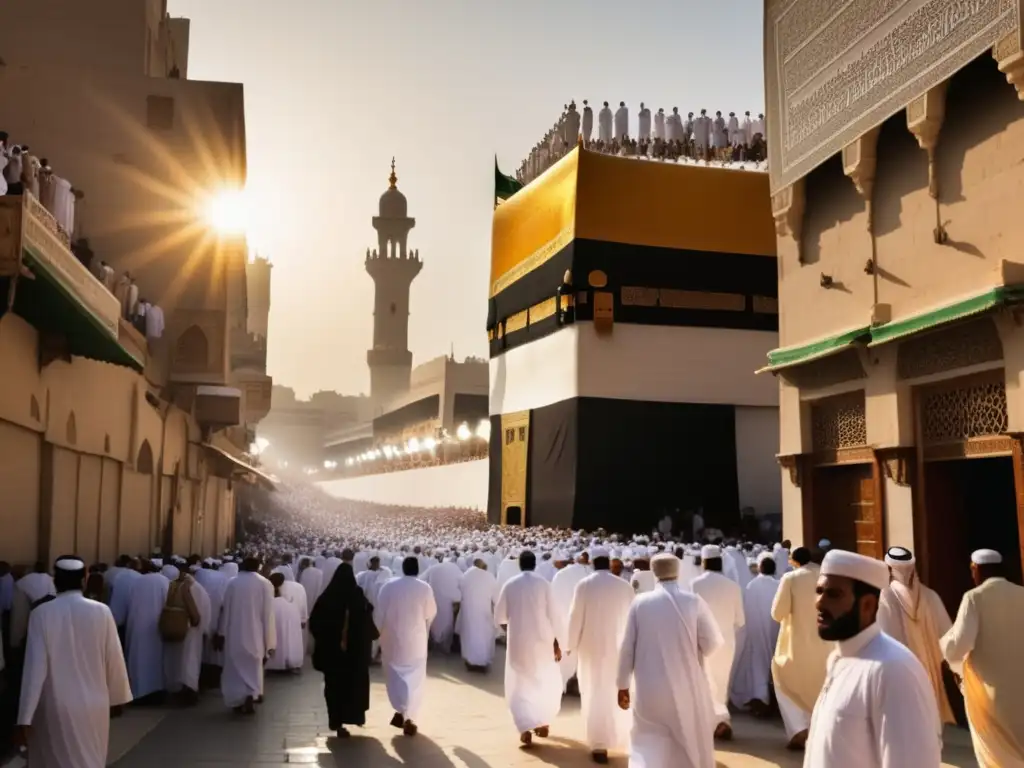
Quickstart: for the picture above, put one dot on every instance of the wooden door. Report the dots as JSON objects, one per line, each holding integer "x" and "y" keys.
{"x": 941, "y": 559}
{"x": 846, "y": 509}
{"x": 866, "y": 512}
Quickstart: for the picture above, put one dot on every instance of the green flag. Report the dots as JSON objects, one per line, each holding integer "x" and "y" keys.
{"x": 504, "y": 186}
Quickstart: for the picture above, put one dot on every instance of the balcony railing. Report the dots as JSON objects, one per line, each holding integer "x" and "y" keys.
{"x": 52, "y": 289}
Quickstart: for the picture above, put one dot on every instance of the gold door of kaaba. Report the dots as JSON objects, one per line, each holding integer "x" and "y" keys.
{"x": 515, "y": 439}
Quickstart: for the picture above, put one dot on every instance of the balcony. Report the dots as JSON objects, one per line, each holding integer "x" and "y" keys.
{"x": 256, "y": 388}
{"x": 44, "y": 283}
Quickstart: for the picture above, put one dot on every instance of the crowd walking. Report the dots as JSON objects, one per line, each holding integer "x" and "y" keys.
{"x": 667, "y": 639}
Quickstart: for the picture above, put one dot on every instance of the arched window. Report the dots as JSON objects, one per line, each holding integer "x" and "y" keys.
{"x": 144, "y": 461}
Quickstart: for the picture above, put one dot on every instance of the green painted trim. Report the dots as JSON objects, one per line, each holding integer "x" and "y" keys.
{"x": 785, "y": 357}
{"x": 990, "y": 299}
{"x": 113, "y": 352}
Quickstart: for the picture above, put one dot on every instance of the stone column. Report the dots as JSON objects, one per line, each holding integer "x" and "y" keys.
{"x": 925, "y": 116}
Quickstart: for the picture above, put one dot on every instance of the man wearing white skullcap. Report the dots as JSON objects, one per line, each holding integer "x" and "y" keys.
{"x": 877, "y": 708}
{"x": 670, "y": 633}
{"x": 985, "y": 640}
{"x": 725, "y": 598}
{"x": 142, "y": 631}
{"x": 73, "y": 674}
{"x": 912, "y": 613}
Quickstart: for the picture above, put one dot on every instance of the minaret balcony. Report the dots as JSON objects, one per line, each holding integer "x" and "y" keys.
{"x": 383, "y": 356}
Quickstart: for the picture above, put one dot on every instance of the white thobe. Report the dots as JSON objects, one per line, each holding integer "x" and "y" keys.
{"x": 214, "y": 582}
{"x": 29, "y": 589}
{"x": 564, "y": 588}
{"x": 404, "y": 612}
{"x": 688, "y": 571}
{"x": 121, "y": 593}
{"x": 673, "y": 127}
{"x": 747, "y": 130}
{"x": 702, "y": 135}
{"x": 142, "y": 634}
{"x": 758, "y": 126}
{"x": 643, "y": 582}
{"x": 644, "y": 127}
{"x": 782, "y": 566}
{"x": 312, "y": 580}
{"x": 289, "y": 652}
{"x": 506, "y": 570}
{"x": 876, "y": 710}
{"x": 659, "y": 125}
{"x": 604, "y": 124}
{"x": 916, "y": 616}
{"x": 735, "y": 135}
{"x": 286, "y": 571}
{"x": 669, "y": 633}
{"x": 588, "y": 124}
{"x": 752, "y": 671}
{"x": 478, "y": 592}
{"x": 365, "y": 580}
{"x": 738, "y": 569}
{"x": 247, "y": 625}
{"x": 74, "y": 673}
{"x": 621, "y": 123}
{"x": 533, "y": 688}
{"x": 183, "y": 661}
{"x": 725, "y": 598}
{"x": 360, "y": 561}
{"x": 330, "y": 566}
{"x": 719, "y": 133}
{"x": 444, "y": 578}
{"x": 546, "y": 570}
{"x": 597, "y": 624}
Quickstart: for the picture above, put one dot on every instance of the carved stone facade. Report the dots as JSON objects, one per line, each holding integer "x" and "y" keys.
{"x": 960, "y": 346}
{"x": 877, "y": 60}
{"x": 839, "y": 422}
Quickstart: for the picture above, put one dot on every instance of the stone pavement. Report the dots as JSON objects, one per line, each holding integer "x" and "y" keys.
{"x": 465, "y": 725}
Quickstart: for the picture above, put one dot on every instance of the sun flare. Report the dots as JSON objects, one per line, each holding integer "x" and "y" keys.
{"x": 227, "y": 213}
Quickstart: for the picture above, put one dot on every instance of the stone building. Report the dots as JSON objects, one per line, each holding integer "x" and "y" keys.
{"x": 111, "y": 441}
{"x": 897, "y": 168}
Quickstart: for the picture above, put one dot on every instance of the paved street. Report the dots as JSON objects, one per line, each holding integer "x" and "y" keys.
{"x": 465, "y": 725}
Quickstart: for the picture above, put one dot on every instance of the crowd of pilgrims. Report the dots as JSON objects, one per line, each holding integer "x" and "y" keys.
{"x": 663, "y": 640}
{"x": 659, "y": 136}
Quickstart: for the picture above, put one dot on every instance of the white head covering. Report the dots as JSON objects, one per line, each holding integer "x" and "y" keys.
{"x": 861, "y": 568}
{"x": 824, "y": 544}
{"x": 170, "y": 573}
{"x": 665, "y": 567}
{"x": 710, "y": 552}
{"x": 899, "y": 556}
{"x": 69, "y": 564}
{"x": 596, "y": 552}
{"x": 157, "y": 562}
{"x": 986, "y": 557}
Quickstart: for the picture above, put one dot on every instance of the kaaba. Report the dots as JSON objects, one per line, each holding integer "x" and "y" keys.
{"x": 631, "y": 303}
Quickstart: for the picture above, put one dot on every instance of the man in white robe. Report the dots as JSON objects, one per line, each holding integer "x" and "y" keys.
{"x": 725, "y": 599}
{"x": 798, "y": 667}
{"x": 403, "y": 614}
{"x": 781, "y": 555}
{"x": 249, "y": 637}
{"x": 622, "y": 122}
{"x": 702, "y": 137}
{"x": 659, "y": 124}
{"x": 73, "y": 675}
{"x": 443, "y": 579}
{"x": 597, "y": 623}
{"x": 478, "y": 592}
{"x": 604, "y": 124}
{"x": 183, "y": 661}
{"x": 984, "y": 645}
{"x": 214, "y": 583}
{"x": 564, "y": 588}
{"x": 643, "y": 580}
{"x": 288, "y": 625}
{"x": 912, "y": 613}
{"x": 28, "y": 591}
{"x": 876, "y": 709}
{"x": 752, "y": 672}
{"x": 533, "y": 690}
{"x": 312, "y": 580}
{"x": 142, "y": 632}
{"x": 669, "y": 635}
{"x": 644, "y": 126}
{"x": 588, "y": 125}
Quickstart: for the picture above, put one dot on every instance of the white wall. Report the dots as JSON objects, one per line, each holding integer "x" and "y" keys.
{"x": 652, "y": 363}
{"x": 452, "y": 485}
{"x": 757, "y": 441}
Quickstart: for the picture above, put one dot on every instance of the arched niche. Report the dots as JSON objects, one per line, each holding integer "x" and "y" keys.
{"x": 144, "y": 461}
{"x": 192, "y": 350}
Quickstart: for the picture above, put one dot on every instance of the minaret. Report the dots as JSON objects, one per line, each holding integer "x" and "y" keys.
{"x": 393, "y": 267}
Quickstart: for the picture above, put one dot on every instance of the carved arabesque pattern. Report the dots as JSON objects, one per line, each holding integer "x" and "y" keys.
{"x": 839, "y": 422}
{"x": 953, "y": 414}
{"x": 959, "y": 346}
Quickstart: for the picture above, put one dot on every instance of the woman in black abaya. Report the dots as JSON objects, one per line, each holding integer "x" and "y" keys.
{"x": 343, "y": 631}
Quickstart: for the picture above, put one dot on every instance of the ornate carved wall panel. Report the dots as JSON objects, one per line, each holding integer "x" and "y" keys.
{"x": 835, "y": 69}
{"x": 954, "y": 414}
{"x": 959, "y": 346}
{"x": 839, "y": 422}
{"x": 828, "y": 371}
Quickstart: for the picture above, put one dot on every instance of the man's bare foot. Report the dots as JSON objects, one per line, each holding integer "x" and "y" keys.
{"x": 397, "y": 721}
{"x": 600, "y": 756}
{"x": 409, "y": 728}
{"x": 723, "y": 732}
{"x": 542, "y": 731}
{"x": 526, "y": 738}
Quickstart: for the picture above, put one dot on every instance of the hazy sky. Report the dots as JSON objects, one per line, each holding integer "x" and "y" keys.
{"x": 334, "y": 88}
